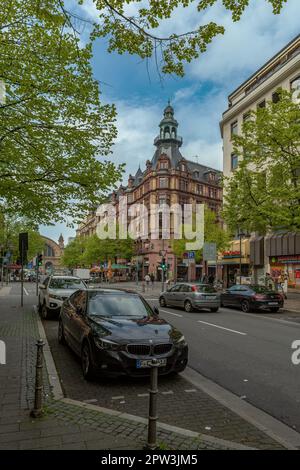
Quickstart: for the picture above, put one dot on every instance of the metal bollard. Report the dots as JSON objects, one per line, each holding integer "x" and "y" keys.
{"x": 152, "y": 419}
{"x": 38, "y": 396}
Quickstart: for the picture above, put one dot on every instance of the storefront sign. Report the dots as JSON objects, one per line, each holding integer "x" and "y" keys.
{"x": 231, "y": 254}
{"x": 286, "y": 259}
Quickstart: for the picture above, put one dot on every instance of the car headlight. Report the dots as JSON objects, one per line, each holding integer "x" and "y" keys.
{"x": 107, "y": 345}
{"x": 56, "y": 297}
{"x": 180, "y": 340}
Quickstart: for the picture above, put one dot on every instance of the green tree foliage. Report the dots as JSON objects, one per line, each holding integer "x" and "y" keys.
{"x": 98, "y": 251}
{"x": 54, "y": 132}
{"x": 135, "y": 33}
{"x": 87, "y": 251}
{"x": 73, "y": 253}
{"x": 213, "y": 233}
{"x": 10, "y": 227}
{"x": 264, "y": 191}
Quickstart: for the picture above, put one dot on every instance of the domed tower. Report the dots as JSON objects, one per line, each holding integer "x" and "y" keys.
{"x": 168, "y": 128}
{"x": 168, "y": 141}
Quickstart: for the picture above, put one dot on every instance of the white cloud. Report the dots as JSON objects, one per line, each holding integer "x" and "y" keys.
{"x": 198, "y": 124}
{"x": 247, "y": 44}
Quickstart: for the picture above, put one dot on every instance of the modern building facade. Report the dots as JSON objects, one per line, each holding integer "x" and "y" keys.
{"x": 278, "y": 252}
{"x": 168, "y": 178}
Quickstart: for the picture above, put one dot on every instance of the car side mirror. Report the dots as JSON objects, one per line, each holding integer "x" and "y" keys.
{"x": 156, "y": 311}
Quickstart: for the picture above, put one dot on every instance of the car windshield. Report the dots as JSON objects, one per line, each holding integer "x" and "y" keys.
{"x": 117, "y": 305}
{"x": 66, "y": 284}
{"x": 260, "y": 289}
{"x": 205, "y": 288}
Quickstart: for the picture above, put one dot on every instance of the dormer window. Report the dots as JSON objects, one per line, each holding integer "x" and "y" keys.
{"x": 164, "y": 165}
{"x": 183, "y": 167}
{"x": 196, "y": 174}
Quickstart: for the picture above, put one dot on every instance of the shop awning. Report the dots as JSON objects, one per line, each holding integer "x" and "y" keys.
{"x": 119, "y": 266}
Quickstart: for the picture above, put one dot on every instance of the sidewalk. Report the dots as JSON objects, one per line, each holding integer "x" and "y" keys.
{"x": 69, "y": 424}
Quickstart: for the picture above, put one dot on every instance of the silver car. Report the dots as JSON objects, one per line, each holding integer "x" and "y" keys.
{"x": 191, "y": 296}
{"x": 54, "y": 291}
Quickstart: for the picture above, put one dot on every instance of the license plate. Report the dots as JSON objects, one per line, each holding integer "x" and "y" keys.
{"x": 146, "y": 363}
{"x": 209, "y": 297}
{"x": 273, "y": 303}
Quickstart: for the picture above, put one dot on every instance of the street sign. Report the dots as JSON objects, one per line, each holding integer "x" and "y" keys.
{"x": 191, "y": 254}
{"x": 209, "y": 251}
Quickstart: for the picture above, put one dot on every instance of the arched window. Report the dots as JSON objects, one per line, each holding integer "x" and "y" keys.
{"x": 173, "y": 132}
{"x": 49, "y": 252}
{"x": 167, "y": 132}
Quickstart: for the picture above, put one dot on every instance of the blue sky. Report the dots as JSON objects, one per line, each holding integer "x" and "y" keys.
{"x": 200, "y": 97}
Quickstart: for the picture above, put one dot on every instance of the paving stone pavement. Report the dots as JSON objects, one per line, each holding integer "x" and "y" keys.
{"x": 69, "y": 426}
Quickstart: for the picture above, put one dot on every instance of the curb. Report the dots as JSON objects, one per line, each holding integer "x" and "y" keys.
{"x": 163, "y": 426}
{"x": 50, "y": 365}
{"x": 274, "y": 428}
{"x": 59, "y": 396}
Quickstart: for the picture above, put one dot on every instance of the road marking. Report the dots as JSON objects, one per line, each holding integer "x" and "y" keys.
{"x": 170, "y": 392}
{"x": 191, "y": 390}
{"x": 259, "y": 315}
{"x": 171, "y": 313}
{"x": 143, "y": 394}
{"x": 223, "y": 328}
{"x": 25, "y": 291}
{"x": 92, "y": 400}
{"x": 121, "y": 397}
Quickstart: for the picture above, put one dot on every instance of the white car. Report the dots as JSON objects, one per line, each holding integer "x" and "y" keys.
{"x": 54, "y": 291}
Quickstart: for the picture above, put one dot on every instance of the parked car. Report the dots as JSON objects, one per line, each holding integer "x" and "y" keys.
{"x": 191, "y": 297}
{"x": 252, "y": 297}
{"x": 54, "y": 290}
{"x": 115, "y": 332}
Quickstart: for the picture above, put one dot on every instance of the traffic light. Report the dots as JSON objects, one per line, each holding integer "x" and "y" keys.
{"x": 163, "y": 264}
{"x": 40, "y": 260}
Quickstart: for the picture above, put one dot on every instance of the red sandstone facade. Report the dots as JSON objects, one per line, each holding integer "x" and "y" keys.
{"x": 167, "y": 178}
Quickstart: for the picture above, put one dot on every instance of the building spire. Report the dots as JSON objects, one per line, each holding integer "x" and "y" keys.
{"x": 168, "y": 128}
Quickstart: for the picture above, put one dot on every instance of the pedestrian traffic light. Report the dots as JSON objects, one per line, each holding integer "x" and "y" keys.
{"x": 40, "y": 260}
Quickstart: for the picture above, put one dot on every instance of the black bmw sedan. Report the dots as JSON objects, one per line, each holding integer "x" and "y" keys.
{"x": 251, "y": 297}
{"x": 116, "y": 331}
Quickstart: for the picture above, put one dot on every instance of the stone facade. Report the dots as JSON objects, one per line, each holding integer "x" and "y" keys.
{"x": 52, "y": 254}
{"x": 168, "y": 178}
{"x": 281, "y": 71}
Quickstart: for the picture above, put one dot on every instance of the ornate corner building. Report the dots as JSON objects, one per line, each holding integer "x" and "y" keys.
{"x": 169, "y": 178}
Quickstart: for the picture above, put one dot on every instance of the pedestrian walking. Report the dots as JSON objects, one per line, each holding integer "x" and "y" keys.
{"x": 152, "y": 280}
{"x": 147, "y": 279}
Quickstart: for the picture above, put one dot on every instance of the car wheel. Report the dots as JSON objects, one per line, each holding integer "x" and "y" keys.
{"x": 44, "y": 312}
{"x": 215, "y": 309}
{"x": 86, "y": 362}
{"x": 61, "y": 333}
{"x": 274, "y": 309}
{"x": 245, "y": 306}
{"x": 162, "y": 302}
{"x": 188, "y": 306}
